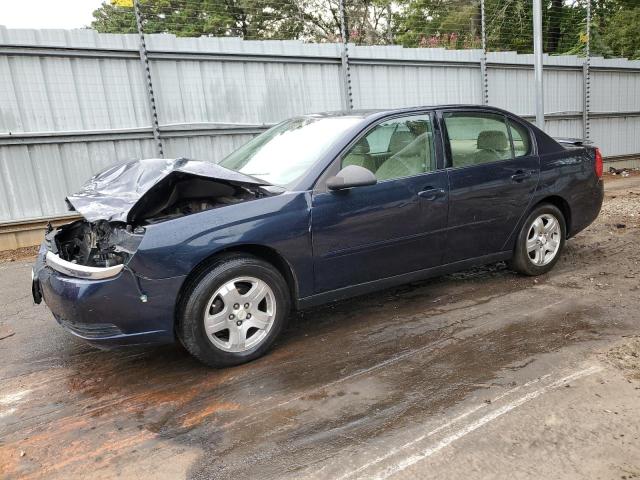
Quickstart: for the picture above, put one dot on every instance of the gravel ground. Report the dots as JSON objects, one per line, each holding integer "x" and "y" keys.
{"x": 626, "y": 357}
{"x": 481, "y": 374}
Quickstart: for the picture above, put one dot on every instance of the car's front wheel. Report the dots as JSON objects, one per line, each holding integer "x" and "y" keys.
{"x": 232, "y": 312}
{"x": 540, "y": 241}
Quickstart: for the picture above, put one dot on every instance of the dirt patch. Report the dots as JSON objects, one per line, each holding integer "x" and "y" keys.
{"x": 23, "y": 253}
{"x": 626, "y": 357}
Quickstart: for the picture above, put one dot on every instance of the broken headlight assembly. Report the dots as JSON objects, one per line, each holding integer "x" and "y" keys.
{"x": 92, "y": 250}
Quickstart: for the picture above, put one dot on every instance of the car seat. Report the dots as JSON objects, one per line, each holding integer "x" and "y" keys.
{"x": 359, "y": 155}
{"x": 492, "y": 145}
{"x": 413, "y": 159}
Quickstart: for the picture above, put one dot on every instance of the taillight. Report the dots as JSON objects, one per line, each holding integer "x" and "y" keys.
{"x": 598, "y": 165}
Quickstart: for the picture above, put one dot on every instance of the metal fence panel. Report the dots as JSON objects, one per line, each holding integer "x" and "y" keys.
{"x": 513, "y": 88}
{"x": 615, "y": 91}
{"x": 569, "y": 128}
{"x": 617, "y": 136}
{"x": 391, "y": 77}
{"x": 205, "y": 146}
{"x": 74, "y": 102}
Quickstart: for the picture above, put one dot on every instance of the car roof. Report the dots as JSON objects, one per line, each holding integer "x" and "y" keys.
{"x": 381, "y": 112}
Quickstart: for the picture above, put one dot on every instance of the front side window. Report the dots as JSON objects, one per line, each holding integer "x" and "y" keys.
{"x": 284, "y": 153}
{"x": 396, "y": 148}
{"x": 477, "y": 138}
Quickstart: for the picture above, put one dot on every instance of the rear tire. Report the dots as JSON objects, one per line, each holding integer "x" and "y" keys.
{"x": 233, "y": 311}
{"x": 540, "y": 241}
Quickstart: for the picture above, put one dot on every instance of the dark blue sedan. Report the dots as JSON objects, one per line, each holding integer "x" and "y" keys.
{"x": 316, "y": 209}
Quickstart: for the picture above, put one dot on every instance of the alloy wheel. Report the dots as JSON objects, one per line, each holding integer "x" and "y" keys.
{"x": 240, "y": 314}
{"x": 543, "y": 239}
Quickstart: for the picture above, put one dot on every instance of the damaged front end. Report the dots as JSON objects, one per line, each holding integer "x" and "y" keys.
{"x": 92, "y": 250}
{"x": 120, "y": 202}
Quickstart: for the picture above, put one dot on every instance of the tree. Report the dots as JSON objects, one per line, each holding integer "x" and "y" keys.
{"x": 412, "y": 23}
{"x": 113, "y": 19}
{"x": 438, "y": 23}
{"x": 622, "y": 35}
{"x": 509, "y": 24}
{"x": 187, "y": 18}
{"x": 553, "y": 32}
{"x": 313, "y": 20}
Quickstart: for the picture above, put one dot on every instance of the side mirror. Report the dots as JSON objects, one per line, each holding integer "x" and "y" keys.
{"x": 351, "y": 176}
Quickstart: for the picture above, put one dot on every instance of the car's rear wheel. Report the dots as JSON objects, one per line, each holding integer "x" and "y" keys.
{"x": 540, "y": 241}
{"x": 233, "y": 311}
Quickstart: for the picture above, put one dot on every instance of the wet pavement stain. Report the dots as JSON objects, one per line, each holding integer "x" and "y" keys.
{"x": 333, "y": 376}
{"x": 338, "y": 374}
{"x": 422, "y": 385}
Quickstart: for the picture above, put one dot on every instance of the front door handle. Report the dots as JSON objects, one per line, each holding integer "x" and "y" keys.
{"x": 431, "y": 193}
{"x": 520, "y": 176}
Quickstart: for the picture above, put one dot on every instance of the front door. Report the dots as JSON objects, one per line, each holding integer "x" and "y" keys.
{"x": 396, "y": 226}
{"x": 493, "y": 173}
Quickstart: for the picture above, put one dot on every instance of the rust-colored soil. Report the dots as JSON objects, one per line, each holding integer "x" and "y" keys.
{"x": 23, "y": 253}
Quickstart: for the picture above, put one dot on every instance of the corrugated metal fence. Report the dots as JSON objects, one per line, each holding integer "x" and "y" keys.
{"x": 73, "y": 102}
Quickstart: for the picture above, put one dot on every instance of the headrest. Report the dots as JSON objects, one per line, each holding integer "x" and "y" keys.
{"x": 361, "y": 148}
{"x": 416, "y": 147}
{"x": 399, "y": 140}
{"x": 492, "y": 140}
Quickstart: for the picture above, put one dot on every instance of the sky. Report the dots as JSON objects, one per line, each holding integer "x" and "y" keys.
{"x": 47, "y": 13}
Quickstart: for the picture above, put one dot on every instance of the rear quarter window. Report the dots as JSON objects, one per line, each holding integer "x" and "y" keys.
{"x": 521, "y": 139}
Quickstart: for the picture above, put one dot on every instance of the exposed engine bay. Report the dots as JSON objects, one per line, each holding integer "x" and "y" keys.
{"x": 117, "y": 212}
{"x": 181, "y": 195}
{"x": 99, "y": 244}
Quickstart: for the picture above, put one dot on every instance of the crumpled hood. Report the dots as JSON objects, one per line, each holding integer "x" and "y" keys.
{"x": 111, "y": 194}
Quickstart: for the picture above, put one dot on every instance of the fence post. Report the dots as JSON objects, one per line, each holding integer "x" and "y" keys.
{"x": 586, "y": 77}
{"x": 483, "y": 58}
{"x": 345, "y": 70}
{"x": 144, "y": 58}
{"x": 538, "y": 56}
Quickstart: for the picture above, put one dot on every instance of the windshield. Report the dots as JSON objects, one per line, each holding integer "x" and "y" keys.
{"x": 285, "y": 152}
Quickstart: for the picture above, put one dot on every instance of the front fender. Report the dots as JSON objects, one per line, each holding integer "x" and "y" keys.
{"x": 281, "y": 223}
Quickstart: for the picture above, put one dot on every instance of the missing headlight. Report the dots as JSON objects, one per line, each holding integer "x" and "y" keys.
{"x": 98, "y": 244}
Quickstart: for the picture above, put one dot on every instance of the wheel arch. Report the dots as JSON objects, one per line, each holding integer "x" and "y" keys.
{"x": 555, "y": 200}
{"x": 267, "y": 254}
{"x": 562, "y": 205}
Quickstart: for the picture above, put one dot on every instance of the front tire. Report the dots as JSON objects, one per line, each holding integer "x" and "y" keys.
{"x": 540, "y": 241}
{"x": 232, "y": 312}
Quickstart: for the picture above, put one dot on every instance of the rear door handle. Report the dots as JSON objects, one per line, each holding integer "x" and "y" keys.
{"x": 520, "y": 176}
{"x": 431, "y": 193}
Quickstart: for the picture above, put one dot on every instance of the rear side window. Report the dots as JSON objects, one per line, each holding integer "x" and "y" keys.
{"x": 477, "y": 138}
{"x": 521, "y": 140}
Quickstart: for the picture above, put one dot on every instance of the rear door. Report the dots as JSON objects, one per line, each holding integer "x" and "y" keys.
{"x": 396, "y": 226}
{"x": 493, "y": 172}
